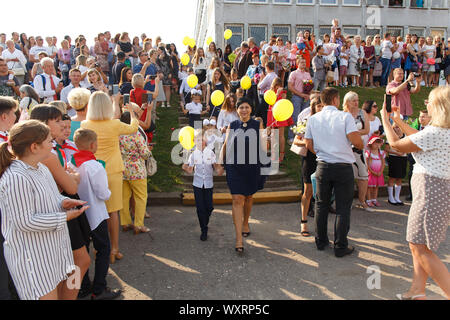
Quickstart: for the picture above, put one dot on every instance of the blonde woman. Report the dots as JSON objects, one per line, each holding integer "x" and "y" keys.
{"x": 102, "y": 117}
{"x": 78, "y": 100}
{"x": 351, "y": 105}
{"x": 81, "y": 64}
{"x": 200, "y": 66}
{"x": 429, "y": 215}
{"x": 96, "y": 81}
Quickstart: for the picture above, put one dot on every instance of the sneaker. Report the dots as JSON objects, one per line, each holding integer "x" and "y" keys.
{"x": 370, "y": 203}
{"x": 339, "y": 253}
{"x": 107, "y": 294}
{"x": 204, "y": 236}
{"x": 168, "y": 106}
{"x": 376, "y": 203}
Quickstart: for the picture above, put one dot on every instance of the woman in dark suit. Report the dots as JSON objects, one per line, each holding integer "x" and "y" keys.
{"x": 243, "y": 166}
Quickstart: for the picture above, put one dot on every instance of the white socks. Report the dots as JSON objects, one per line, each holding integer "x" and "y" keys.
{"x": 397, "y": 193}
{"x": 391, "y": 194}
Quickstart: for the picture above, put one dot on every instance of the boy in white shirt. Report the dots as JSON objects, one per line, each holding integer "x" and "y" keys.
{"x": 202, "y": 162}
{"x": 93, "y": 188}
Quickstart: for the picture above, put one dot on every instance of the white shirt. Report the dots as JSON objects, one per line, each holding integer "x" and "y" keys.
{"x": 386, "y": 46}
{"x": 356, "y": 53}
{"x": 329, "y": 129}
{"x": 194, "y": 108}
{"x": 17, "y": 54}
{"x": 93, "y": 188}
{"x": 51, "y": 51}
{"x": 343, "y": 62}
{"x": 374, "y": 126}
{"x": 304, "y": 115}
{"x": 435, "y": 145}
{"x": 65, "y": 92}
{"x": 184, "y": 88}
{"x": 203, "y": 162}
{"x": 266, "y": 83}
{"x": 85, "y": 82}
{"x": 225, "y": 118}
{"x": 27, "y": 103}
{"x": 428, "y": 50}
{"x": 47, "y": 93}
{"x": 70, "y": 152}
{"x": 34, "y": 51}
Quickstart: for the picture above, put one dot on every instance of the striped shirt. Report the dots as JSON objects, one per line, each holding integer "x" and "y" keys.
{"x": 37, "y": 245}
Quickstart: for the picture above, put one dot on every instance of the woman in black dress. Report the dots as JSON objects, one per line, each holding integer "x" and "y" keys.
{"x": 241, "y": 154}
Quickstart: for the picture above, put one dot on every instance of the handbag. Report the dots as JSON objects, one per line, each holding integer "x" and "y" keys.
{"x": 18, "y": 71}
{"x": 330, "y": 76}
{"x": 151, "y": 165}
{"x": 201, "y": 75}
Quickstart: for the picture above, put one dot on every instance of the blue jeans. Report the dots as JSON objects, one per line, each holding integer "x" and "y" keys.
{"x": 299, "y": 105}
{"x": 386, "y": 70}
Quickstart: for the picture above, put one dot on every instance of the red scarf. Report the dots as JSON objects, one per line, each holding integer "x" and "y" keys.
{"x": 81, "y": 157}
{"x": 65, "y": 145}
{"x": 4, "y": 137}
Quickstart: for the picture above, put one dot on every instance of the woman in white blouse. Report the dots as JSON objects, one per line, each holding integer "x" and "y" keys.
{"x": 429, "y": 215}
{"x": 356, "y": 58}
{"x": 34, "y": 216}
{"x": 16, "y": 60}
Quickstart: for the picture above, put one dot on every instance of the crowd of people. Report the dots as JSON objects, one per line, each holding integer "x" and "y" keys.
{"x": 77, "y": 124}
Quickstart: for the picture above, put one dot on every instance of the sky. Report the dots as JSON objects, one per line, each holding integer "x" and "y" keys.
{"x": 170, "y": 19}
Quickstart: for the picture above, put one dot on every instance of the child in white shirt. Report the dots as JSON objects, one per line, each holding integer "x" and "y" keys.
{"x": 93, "y": 188}
{"x": 203, "y": 162}
{"x": 344, "y": 56}
{"x": 194, "y": 108}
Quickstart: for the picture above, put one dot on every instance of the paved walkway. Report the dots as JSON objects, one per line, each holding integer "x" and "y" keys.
{"x": 278, "y": 262}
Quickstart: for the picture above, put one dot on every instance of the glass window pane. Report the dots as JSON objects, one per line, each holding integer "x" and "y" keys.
{"x": 258, "y": 1}
{"x": 237, "y": 38}
{"x": 257, "y": 32}
{"x": 303, "y": 28}
{"x": 419, "y": 31}
{"x": 437, "y": 3}
{"x": 372, "y": 32}
{"x": 328, "y": 1}
{"x": 351, "y": 31}
{"x": 281, "y": 1}
{"x": 281, "y": 31}
{"x": 351, "y": 2}
{"x": 305, "y": 1}
{"x": 323, "y": 30}
{"x": 395, "y": 3}
{"x": 417, "y": 3}
{"x": 395, "y": 31}
{"x": 374, "y": 2}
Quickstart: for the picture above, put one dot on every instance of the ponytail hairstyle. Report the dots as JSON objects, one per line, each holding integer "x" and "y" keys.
{"x": 21, "y": 137}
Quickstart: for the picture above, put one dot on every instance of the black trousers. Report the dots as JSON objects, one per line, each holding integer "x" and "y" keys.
{"x": 100, "y": 239}
{"x": 204, "y": 203}
{"x": 7, "y": 288}
{"x": 261, "y": 110}
{"x": 411, "y": 162}
{"x": 339, "y": 177}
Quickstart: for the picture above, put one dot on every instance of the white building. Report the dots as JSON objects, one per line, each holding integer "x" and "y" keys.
{"x": 262, "y": 18}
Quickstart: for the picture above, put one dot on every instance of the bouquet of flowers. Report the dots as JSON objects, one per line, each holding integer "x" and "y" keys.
{"x": 299, "y": 130}
{"x": 308, "y": 85}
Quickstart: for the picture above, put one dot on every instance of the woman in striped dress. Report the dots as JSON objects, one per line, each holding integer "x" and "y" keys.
{"x": 37, "y": 244}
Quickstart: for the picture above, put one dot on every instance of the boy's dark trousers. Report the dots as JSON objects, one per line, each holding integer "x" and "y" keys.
{"x": 204, "y": 202}
{"x": 7, "y": 289}
{"x": 100, "y": 239}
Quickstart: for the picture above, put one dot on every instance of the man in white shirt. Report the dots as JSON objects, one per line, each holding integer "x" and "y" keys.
{"x": 75, "y": 82}
{"x": 330, "y": 135}
{"x": 263, "y": 86}
{"x": 387, "y": 49}
{"x": 47, "y": 85}
{"x": 51, "y": 49}
{"x": 39, "y": 47}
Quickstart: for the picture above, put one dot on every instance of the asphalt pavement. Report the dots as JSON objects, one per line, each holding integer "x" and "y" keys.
{"x": 278, "y": 263}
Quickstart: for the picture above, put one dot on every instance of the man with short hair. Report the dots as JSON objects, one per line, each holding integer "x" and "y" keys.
{"x": 330, "y": 135}
{"x": 47, "y": 85}
{"x": 35, "y": 50}
{"x": 244, "y": 60}
{"x": 147, "y": 67}
{"x": 300, "y": 100}
{"x": 118, "y": 66}
{"x": 320, "y": 69}
{"x": 9, "y": 85}
{"x": 401, "y": 91}
{"x": 75, "y": 82}
{"x": 265, "y": 84}
{"x": 387, "y": 49}
{"x": 252, "y": 46}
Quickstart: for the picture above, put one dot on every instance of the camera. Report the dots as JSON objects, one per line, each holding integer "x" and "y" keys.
{"x": 416, "y": 75}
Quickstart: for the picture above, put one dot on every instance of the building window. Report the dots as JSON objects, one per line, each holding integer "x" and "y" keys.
{"x": 323, "y": 30}
{"x": 397, "y": 3}
{"x": 374, "y": 2}
{"x": 328, "y": 2}
{"x": 437, "y": 33}
{"x": 373, "y": 32}
{"x": 395, "y": 31}
{"x": 418, "y": 4}
{"x": 438, "y": 4}
{"x": 281, "y": 1}
{"x": 258, "y": 32}
{"x": 238, "y": 35}
{"x": 303, "y": 29}
{"x": 233, "y": 1}
{"x": 258, "y": 1}
{"x": 420, "y": 32}
{"x": 351, "y": 2}
{"x": 351, "y": 31}
{"x": 282, "y": 31}
{"x": 305, "y": 1}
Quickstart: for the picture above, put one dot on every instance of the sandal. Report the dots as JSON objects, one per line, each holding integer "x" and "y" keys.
{"x": 305, "y": 233}
{"x": 142, "y": 229}
{"x": 127, "y": 227}
{"x": 402, "y": 297}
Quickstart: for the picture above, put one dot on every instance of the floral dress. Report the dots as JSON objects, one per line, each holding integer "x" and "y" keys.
{"x": 134, "y": 152}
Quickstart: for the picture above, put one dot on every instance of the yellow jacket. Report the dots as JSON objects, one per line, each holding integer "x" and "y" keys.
{"x": 108, "y": 132}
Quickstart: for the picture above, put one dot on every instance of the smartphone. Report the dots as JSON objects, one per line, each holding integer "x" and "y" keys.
{"x": 388, "y": 99}
{"x": 153, "y": 77}
{"x": 115, "y": 89}
{"x": 149, "y": 98}
{"x": 144, "y": 97}
{"x": 416, "y": 75}
{"x": 126, "y": 99}
{"x": 79, "y": 207}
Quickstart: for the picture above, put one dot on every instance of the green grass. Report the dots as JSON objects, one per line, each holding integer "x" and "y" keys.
{"x": 168, "y": 176}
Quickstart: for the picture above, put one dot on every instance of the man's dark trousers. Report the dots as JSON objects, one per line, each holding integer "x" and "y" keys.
{"x": 204, "y": 202}
{"x": 337, "y": 176}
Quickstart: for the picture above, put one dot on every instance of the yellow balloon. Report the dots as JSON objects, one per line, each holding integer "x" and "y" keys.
{"x": 186, "y": 137}
{"x": 192, "y": 81}
{"x": 217, "y": 98}
{"x": 186, "y": 40}
{"x": 185, "y": 59}
{"x": 227, "y": 34}
{"x": 191, "y": 43}
{"x": 283, "y": 110}
{"x": 270, "y": 97}
{"x": 209, "y": 40}
{"x": 246, "y": 82}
